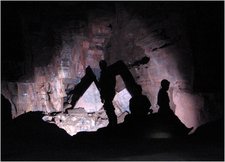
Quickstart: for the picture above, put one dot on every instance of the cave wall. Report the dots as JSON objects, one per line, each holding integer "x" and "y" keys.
{"x": 162, "y": 36}
{"x": 60, "y": 40}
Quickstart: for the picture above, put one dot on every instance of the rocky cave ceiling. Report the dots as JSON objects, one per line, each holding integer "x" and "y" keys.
{"x": 46, "y": 48}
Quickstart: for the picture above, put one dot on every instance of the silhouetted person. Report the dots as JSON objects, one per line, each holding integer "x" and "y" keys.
{"x": 166, "y": 113}
{"x": 107, "y": 83}
{"x": 139, "y": 124}
{"x": 139, "y": 103}
{"x": 136, "y": 123}
{"x": 139, "y": 107}
{"x": 163, "y": 98}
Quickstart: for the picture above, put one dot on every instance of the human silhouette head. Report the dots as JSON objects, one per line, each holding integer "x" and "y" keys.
{"x": 165, "y": 84}
{"x": 139, "y": 106}
{"x": 88, "y": 70}
{"x": 102, "y": 64}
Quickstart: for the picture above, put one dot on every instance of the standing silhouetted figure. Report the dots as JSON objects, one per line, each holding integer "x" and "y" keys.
{"x": 107, "y": 83}
{"x": 163, "y": 98}
{"x": 166, "y": 113}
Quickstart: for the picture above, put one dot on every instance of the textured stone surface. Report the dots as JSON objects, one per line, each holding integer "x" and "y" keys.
{"x": 60, "y": 45}
{"x": 78, "y": 120}
{"x": 88, "y": 113}
{"x": 121, "y": 101}
{"x": 90, "y": 100}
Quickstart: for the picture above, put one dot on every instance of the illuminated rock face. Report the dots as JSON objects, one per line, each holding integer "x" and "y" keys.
{"x": 88, "y": 113}
{"x": 78, "y": 120}
{"x": 90, "y": 100}
{"x": 65, "y": 46}
{"x": 60, "y": 66}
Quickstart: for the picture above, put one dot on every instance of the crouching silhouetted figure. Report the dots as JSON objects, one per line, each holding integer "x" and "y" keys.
{"x": 139, "y": 104}
{"x": 136, "y": 123}
{"x": 140, "y": 109}
{"x": 107, "y": 83}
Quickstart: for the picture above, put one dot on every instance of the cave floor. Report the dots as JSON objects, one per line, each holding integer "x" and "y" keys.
{"x": 29, "y": 138}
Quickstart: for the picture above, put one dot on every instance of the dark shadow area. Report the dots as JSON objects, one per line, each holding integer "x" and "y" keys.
{"x": 147, "y": 125}
{"x": 119, "y": 68}
{"x": 28, "y": 134}
{"x": 30, "y": 138}
{"x": 212, "y": 131}
{"x": 6, "y": 115}
{"x": 80, "y": 88}
{"x": 143, "y": 136}
{"x": 107, "y": 84}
